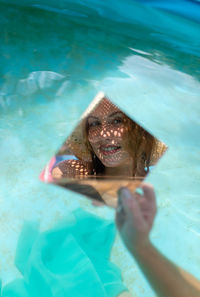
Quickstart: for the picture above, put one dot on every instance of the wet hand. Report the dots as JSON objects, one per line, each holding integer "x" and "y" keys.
{"x": 135, "y": 215}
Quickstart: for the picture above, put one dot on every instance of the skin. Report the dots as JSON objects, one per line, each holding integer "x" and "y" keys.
{"x": 134, "y": 218}
{"x": 108, "y": 136}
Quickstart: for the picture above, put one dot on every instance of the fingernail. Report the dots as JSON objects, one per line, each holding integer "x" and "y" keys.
{"x": 120, "y": 206}
{"x": 119, "y": 197}
{"x": 124, "y": 193}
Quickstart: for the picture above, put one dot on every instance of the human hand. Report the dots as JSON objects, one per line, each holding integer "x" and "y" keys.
{"x": 135, "y": 215}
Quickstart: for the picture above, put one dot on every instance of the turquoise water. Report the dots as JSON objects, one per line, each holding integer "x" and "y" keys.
{"x": 55, "y": 58}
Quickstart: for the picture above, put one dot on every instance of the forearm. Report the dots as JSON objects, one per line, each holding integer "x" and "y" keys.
{"x": 166, "y": 279}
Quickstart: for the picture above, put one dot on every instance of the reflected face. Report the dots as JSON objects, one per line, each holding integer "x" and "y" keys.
{"x": 108, "y": 134}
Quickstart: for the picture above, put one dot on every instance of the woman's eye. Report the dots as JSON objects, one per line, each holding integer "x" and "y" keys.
{"x": 117, "y": 121}
{"x": 94, "y": 124}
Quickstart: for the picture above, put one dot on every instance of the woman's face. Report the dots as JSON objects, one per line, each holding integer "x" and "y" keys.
{"x": 108, "y": 134}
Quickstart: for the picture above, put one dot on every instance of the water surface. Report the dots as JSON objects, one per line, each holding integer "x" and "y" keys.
{"x": 55, "y": 58}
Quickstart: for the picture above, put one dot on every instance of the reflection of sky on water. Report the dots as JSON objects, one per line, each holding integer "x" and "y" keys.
{"x": 52, "y": 67}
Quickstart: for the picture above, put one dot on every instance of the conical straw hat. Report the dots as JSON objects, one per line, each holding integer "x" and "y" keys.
{"x": 77, "y": 141}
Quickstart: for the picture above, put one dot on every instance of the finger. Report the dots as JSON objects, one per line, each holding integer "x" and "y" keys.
{"x": 129, "y": 208}
{"x": 148, "y": 201}
{"x": 120, "y": 212}
{"x": 148, "y": 191}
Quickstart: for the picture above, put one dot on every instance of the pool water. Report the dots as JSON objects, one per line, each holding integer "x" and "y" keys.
{"x": 54, "y": 59}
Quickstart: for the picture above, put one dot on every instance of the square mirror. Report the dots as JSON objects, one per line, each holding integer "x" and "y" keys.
{"x": 107, "y": 150}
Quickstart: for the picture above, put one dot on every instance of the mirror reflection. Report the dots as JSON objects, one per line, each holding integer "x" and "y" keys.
{"x": 106, "y": 150}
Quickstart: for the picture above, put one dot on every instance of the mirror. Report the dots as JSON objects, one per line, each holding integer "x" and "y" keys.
{"x": 106, "y": 150}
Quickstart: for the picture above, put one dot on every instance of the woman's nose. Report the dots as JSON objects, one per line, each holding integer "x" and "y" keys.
{"x": 107, "y": 131}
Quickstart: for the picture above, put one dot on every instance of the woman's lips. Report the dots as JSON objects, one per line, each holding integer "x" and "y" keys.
{"x": 109, "y": 150}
